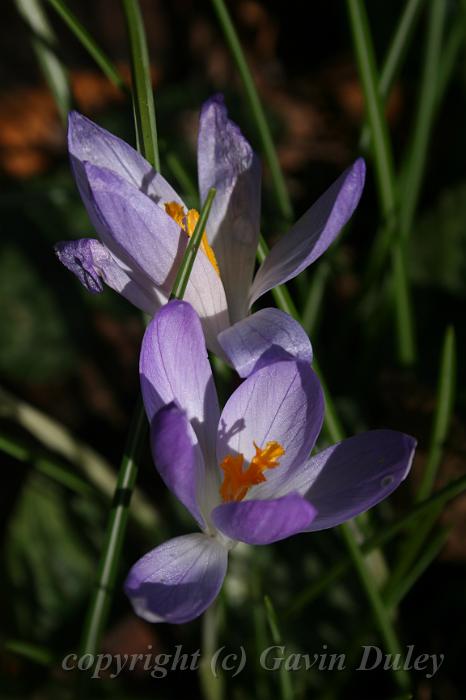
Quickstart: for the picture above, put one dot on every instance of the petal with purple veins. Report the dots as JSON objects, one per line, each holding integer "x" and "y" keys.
{"x": 88, "y": 142}
{"x": 354, "y": 475}
{"x": 313, "y": 233}
{"x": 174, "y": 368}
{"x": 282, "y": 402}
{"x": 264, "y": 521}
{"x": 227, "y": 162}
{"x": 268, "y": 336}
{"x": 177, "y": 581}
{"x": 149, "y": 244}
{"x": 178, "y": 458}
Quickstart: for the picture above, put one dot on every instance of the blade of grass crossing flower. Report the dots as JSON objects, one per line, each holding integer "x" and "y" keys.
{"x": 257, "y": 110}
{"x": 44, "y": 42}
{"x": 424, "y": 508}
{"x": 143, "y": 97}
{"x": 385, "y": 176}
{"x": 285, "y": 676}
{"x": 414, "y": 169}
{"x": 182, "y": 277}
{"x": 116, "y": 527}
{"x": 394, "y": 57}
{"x": 87, "y": 41}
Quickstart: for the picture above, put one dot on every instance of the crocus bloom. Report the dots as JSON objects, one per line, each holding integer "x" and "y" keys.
{"x": 144, "y": 225}
{"x": 244, "y": 473}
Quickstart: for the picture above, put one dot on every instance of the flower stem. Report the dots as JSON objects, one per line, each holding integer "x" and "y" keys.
{"x": 257, "y": 110}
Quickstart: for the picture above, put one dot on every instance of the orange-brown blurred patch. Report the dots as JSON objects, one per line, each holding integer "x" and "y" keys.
{"x": 31, "y": 132}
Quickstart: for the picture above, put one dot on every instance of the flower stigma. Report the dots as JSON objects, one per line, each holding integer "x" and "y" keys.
{"x": 187, "y": 221}
{"x": 237, "y": 481}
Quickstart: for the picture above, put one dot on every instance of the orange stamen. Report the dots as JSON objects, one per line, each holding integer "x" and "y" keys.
{"x": 237, "y": 481}
{"x": 188, "y": 221}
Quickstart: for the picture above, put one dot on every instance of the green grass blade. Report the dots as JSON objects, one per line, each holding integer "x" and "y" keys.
{"x": 380, "y": 613}
{"x": 44, "y": 43}
{"x": 413, "y": 171}
{"x": 385, "y": 177}
{"x": 32, "y": 652}
{"x": 443, "y": 413}
{"x": 450, "y": 51}
{"x": 424, "y": 508}
{"x": 395, "y": 593}
{"x": 383, "y": 158}
{"x": 184, "y": 271}
{"x": 285, "y": 676}
{"x": 315, "y": 296}
{"x": 349, "y": 530}
{"x": 444, "y": 408}
{"x": 395, "y": 54}
{"x": 44, "y": 465}
{"x": 144, "y": 108}
{"x": 116, "y": 526}
{"x": 87, "y": 41}
{"x": 257, "y": 110}
{"x": 97, "y": 615}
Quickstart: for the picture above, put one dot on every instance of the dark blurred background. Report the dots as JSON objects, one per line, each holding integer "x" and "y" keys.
{"x": 71, "y": 358}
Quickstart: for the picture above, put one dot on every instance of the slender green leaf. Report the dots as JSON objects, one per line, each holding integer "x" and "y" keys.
{"x": 44, "y": 465}
{"x": 116, "y": 527}
{"x": 430, "y": 505}
{"x": 394, "y": 594}
{"x": 443, "y": 413}
{"x": 350, "y": 531}
{"x": 32, "y": 652}
{"x": 413, "y": 171}
{"x": 285, "y": 677}
{"x": 184, "y": 271}
{"x": 385, "y": 178}
{"x": 44, "y": 43}
{"x": 89, "y": 43}
{"x": 257, "y": 110}
{"x": 379, "y": 611}
{"x": 395, "y": 54}
{"x": 143, "y": 97}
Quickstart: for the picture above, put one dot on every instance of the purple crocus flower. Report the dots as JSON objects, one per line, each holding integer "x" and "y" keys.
{"x": 143, "y": 224}
{"x": 244, "y": 473}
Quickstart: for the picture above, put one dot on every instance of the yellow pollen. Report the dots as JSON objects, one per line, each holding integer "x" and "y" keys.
{"x": 237, "y": 481}
{"x": 188, "y": 221}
